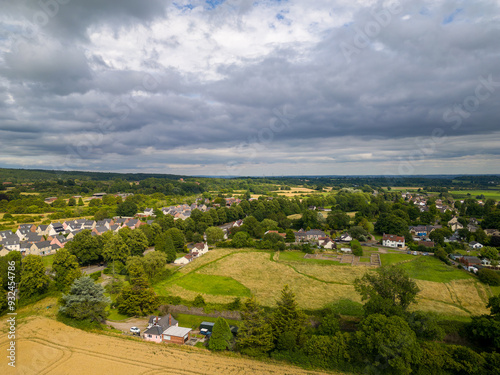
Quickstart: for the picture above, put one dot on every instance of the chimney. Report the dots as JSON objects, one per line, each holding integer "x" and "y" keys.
{"x": 156, "y": 318}
{"x": 169, "y": 320}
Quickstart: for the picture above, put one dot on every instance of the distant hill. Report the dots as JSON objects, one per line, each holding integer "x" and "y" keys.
{"x": 20, "y": 175}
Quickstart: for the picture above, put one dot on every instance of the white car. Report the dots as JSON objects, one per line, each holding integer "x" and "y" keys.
{"x": 135, "y": 330}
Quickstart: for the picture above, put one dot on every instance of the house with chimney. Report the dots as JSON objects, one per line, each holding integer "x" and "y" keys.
{"x": 391, "y": 240}
{"x": 166, "y": 329}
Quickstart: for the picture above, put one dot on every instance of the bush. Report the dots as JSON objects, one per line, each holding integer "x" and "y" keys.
{"x": 95, "y": 275}
{"x": 489, "y": 277}
{"x": 199, "y": 301}
{"x": 356, "y": 248}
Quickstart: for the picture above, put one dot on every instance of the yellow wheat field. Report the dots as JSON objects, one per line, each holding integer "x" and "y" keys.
{"x": 45, "y": 346}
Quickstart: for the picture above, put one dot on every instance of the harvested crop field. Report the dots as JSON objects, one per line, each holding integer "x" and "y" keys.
{"x": 317, "y": 283}
{"x": 45, "y": 346}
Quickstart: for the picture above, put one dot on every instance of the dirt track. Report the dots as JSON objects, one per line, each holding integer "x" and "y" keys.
{"x": 45, "y": 346}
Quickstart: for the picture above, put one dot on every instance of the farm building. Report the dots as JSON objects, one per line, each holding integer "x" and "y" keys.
{"x": 177, "y": 335}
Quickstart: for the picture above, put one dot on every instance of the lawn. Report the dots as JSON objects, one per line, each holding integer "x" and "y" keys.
{"x": 193, "y": 321}
{"x": 212, "y": 284}
{"x": 48, "y": 260}
{"x": 115, "y": 315}
{"x": 432, "y": 269}
{"x": 393, "y": 258}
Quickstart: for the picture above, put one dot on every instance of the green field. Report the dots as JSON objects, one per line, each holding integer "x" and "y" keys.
{"x": 212, "y": 284}
{"x": 432, "y": 269}
{"x": 458, "y": 194}
{"x": 393, "y": 258}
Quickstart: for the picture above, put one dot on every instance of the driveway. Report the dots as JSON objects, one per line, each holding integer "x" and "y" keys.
{"x": 125, "y": 325}
{"x": 91, "y": 269}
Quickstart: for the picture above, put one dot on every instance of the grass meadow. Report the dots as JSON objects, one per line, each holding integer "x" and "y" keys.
{"x": 224, "y": 274}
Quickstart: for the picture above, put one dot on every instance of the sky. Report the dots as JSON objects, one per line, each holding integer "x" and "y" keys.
{"x": 251, "y": 88}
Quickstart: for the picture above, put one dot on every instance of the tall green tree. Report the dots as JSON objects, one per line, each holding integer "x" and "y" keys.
{"x": 178, "y": 238}
{"x": 86, "y": 248}
{"x": 288, "y": 321}
{"x": 85, "y": 300}
{"x": 137, "y": 299}
{"x": 389, "y": 291}
{"x": 66, "y": 269}
{"x": 115, "y": 250}
{"x": 255, "y": 336}
{"x": 214, "y": 235}
{"x": 221, "y": 335}
{"x": 165, "y": 245}
{"x": 136, "y": 240}
{"x": 127, "y": 208}
{"x": 338, "y": 220}
{"x": 387, "y": 345}
{"x": 34, "y": 281}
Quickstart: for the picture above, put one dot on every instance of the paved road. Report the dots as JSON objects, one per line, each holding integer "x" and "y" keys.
{"x": 92, "y": 269}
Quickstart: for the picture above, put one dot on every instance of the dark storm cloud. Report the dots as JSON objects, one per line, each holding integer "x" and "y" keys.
{"x": 363, "y": 90}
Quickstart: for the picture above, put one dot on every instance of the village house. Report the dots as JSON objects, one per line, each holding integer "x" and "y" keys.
{"x": 344, "y": 237}
{"x": 55, "y": 228}
{"x": 475, "y": 245}
{"x": 166, "y": 329}
{"x": 391, "y": 240}
{"x": 43, "y": 230}
{"x": 470, "y": 261}
{"x": 454, "y": 224}
{"x": 41, "y": 248}
{"x": 327, "y": 243}
{"x": 201, "y": 248}
{"x": 423, "y": 230}
{"x": 60, "y": 241}
{"x": 184, "y": 260}
{"x": 492, "y": 232}
{"x": 310, "y": 235}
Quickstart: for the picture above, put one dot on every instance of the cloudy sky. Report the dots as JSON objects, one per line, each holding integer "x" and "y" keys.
{"x": 250, "y": 87}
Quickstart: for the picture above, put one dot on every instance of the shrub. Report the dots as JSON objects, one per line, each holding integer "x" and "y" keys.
{"x": 95, "y": 275}
{"x": 199, "y": 301}
{"x": 489, "y": 277}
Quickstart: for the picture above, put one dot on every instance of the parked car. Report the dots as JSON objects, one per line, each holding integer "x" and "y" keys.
{"x": 415, "y": 253}
{"x": 135, "y": 330}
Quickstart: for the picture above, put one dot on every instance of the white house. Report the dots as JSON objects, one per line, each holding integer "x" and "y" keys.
{"x": 346, "y": 237}
{"x": 475, "y": 245}
{"x": 184, "y": 260}
{"x": 391, "y": 240}
{"x": 201, "y": 248}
